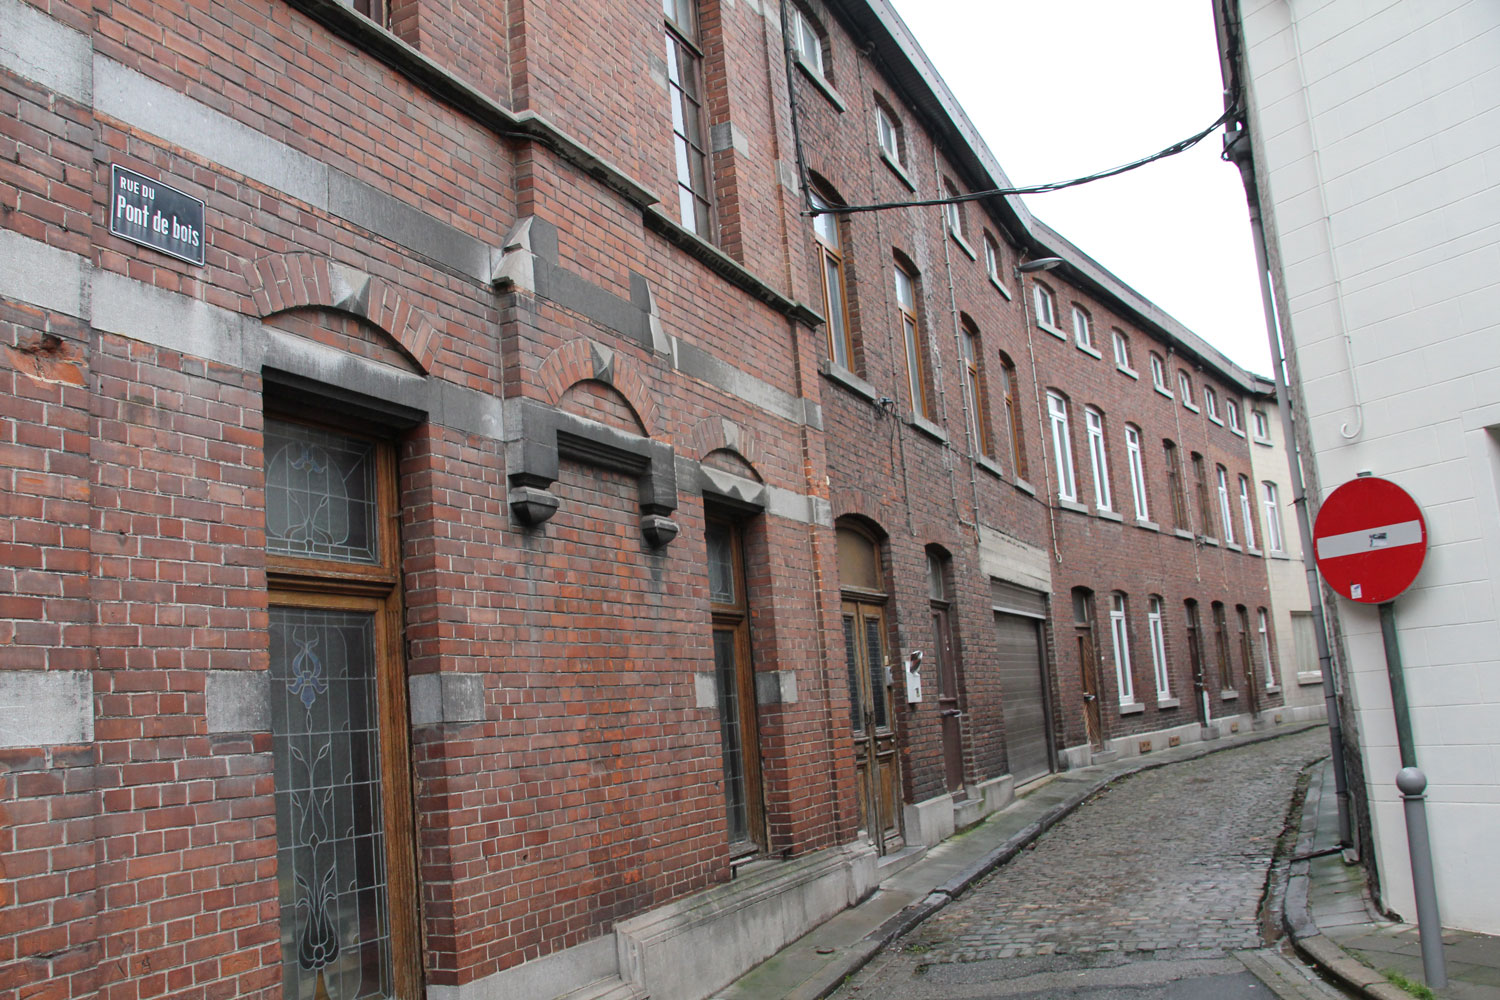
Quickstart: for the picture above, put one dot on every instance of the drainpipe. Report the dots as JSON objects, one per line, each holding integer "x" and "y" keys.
{"x": 1237, "y": 151}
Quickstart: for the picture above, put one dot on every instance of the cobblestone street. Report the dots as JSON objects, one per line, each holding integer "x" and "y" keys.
{"x": 1167, "y": 867}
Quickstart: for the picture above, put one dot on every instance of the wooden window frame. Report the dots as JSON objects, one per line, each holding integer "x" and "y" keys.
{"x": 831, "y": 270}
{"x": 914, "y": 341}
{"x": 1013, "y": 418}
{"x": 972, "y": 353}
{"x": 684, "y": 38}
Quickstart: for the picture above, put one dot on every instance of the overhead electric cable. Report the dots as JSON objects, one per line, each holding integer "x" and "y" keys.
{"x": 1172, "y": 150}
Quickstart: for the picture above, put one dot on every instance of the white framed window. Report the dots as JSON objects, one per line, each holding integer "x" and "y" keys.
{"x": 1159, "y": 375}
{"x": 1247, "y": 512}
{"x": 1211, "y": 403}
{"x": 953, "y": 212}
{"x": 1265, "y": 647}
{"x": 1122, "y": 349}
{"x": 1046, "y": 305}
{"x": 1273, "y": 516}
{"x": 1232, "y": 411}
{"x": 809, "y": 42}
{"x": 1098, "y": 457}
{"x": 1062, "y": 446}
{"x": 1121, "y": 635}
{"x": 1224, "y": 505}
{"x": 1158, "y": 649}
{"x": 1137, "y": 472}
{"x": 1261, "y": 425}
{"x": 1185, "y": 389}
{"x": 1083, "y": 334}
{"x": 992, "y": 262}
{"x": 888, "y": 134}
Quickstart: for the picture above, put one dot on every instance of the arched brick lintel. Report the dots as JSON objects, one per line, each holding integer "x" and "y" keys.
{"x": 280, "y": 282}
{"x": 581, "y": 359}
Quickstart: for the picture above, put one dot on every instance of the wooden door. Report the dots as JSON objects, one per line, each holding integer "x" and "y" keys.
{"x": 871, "y": 716}
{"x": 949, "y": 711}
{"x": 1088, "y": 664}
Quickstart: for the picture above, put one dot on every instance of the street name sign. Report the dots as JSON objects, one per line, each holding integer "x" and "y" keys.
{"x": 1370, "y": 540}
{"x": 148, "y": 212}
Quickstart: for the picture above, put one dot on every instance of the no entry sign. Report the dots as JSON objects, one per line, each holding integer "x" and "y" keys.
{"x": 1370, "y": 540}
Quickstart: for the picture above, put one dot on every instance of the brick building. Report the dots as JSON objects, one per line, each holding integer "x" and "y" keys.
{"x": 467, "y": 525}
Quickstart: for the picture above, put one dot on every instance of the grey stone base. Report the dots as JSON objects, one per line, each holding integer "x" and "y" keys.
{"x": 688, "y": 949}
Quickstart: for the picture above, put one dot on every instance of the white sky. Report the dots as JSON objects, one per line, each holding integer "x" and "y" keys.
{"x": 1062, "y": 88}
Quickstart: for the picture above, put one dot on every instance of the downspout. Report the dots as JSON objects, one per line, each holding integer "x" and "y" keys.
{"x": 1237, "y": 151}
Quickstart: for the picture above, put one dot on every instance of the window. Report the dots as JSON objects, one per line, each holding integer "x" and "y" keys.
{"x": 809, "y": 42}
{"x": 1185, "y": 388}
{"x": 1264, "y": 621}
{"x": 1088, "y": 661}
{"x": 992, "y": 260}
{"x": 1046, "y": 306}
{"x": 734, "y": 678}
{"x": 1305, "y": 640}
{"x": 974, "y": 397}
{"x": 1211, "y": 403}
{"x": 1159, "y": 374}
{"x": 1176, "y": 487}
{"x": 339, "y": 729}
{"x": 1247, "y": 650}
{"x": 1122, "y": 350}
{"x": 1062, "y": 446}
{"x": 916, "y": 345}
{"x": 1247, "y": 512}
{"x": 1261, "y": 424}
{"x": 888, "y": 134}
{"x": 1137, "y": 472}
{"x": 1232, "y": 411}
{"x": 1121, "y": 635}
{"x": 1082, "y": 333}
{"x": 953, "y": 211}
{"x": 1098, "y": 457}
{"x": 1223, "y": 485}
{"x": 1158, "y": 648}
{"x": 1273, "y": 516}
{"x": 1200, "y": 487}
{"x": 948, "y": 668}
{"x": 1013, "y": 418}
{"x": 826, "y": 227}
{"x": 685, "y": 85}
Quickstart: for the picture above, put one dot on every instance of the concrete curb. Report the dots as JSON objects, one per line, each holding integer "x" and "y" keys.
{"x": 832, "y": 977}
{"x": 1297, "y": 919}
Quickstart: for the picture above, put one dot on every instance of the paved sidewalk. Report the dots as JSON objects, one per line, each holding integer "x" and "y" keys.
{"x": 1332, "y": 923}
{"x": 921, "y": 883}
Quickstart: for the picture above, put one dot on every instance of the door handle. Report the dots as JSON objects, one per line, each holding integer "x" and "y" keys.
{"x": 951, "y": 713}
{"x": 1090, "y": 697}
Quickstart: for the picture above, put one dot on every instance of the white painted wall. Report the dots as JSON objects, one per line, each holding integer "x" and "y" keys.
{"x": 1301, "y": 682}
{"x": 1378, "y": 124}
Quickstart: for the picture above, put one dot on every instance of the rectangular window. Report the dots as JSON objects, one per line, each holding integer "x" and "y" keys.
{"x": 888, "y": 134}
{"x": 339, "y": 729}
{"x": 1185, "y": 388}
{"x": 1264, "y": 621}
{"x": 1121, "y": 635}
{"x": 973, "y": 390}
{"x": 809, "y": 43}
{"x": 1062, "y": 446}
{"x": 1137, "y": 472}
{"x": 916, "y": 347}
{"x": 1013, "y": 419}
{"x": 1221, "y": 648}
{"x": 1211, "y": 402}
{"x": 1273, "y": 516}
{"x": 1122, "y": 350}
{"x": 1262, "y": 425}
{"x": 1158, "y": 649}
{"x": 992, "y": 260}
{"x": 1232, "y": 410}
{"x": 1247, "y": 512}
{"x": 1305, "y": 638}
{"x": 1159, "y": 375}
{"x": 953, "y": 211}
{"x": 1200, "y": 486}
{"x": 1223, "y": 481}
{"x": 685, "y": 87}
{"x": 1176, "y": 487}
{"x": 1083, "y": 334}
{"x": 835, "y": 304}
{"x": 1046, "y": 306}
{"x": 1099, "y": 457}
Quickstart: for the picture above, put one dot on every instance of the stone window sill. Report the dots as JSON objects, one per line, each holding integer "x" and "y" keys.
{"x": 898, "y": 170}
{"x": 989, "y": 465}
{"x": 1165, "y": 703}
{"x": 1072, "y": 505}
{"x": 929, "y": 428}
{"x": 842, "y": 376}
{"x": 1090, "y": 351}
{"x": 1023, "y": 485}
{"x": 1052, "y": 330}
{"x": 1110, "y": 515}
{"x": 1000, "y": 287}
{"x": 821, "y": 82}
{"x": 963, "y": 244}
{"x": 1131, "y": 372}
{"x": 1133, "y": 708}
{"x": 1147, "y": 525}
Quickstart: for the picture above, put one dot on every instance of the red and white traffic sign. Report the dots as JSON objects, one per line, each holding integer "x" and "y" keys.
{"x": 1370, "y": 540}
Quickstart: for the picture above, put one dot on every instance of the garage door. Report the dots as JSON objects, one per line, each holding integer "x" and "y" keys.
{"x": 1024, "y": 695}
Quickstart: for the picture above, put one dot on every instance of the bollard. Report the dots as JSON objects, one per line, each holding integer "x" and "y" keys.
{"x": 1412, "y": 783}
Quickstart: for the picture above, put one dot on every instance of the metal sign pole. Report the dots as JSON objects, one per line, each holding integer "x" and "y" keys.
{"x": 1412, "y": 783}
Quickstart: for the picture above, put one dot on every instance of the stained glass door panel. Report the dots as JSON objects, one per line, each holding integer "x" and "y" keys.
{"x": 335, "y": 934}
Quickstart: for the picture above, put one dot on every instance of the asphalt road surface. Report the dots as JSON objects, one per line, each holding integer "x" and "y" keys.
{"x": 1152, "y": 889}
